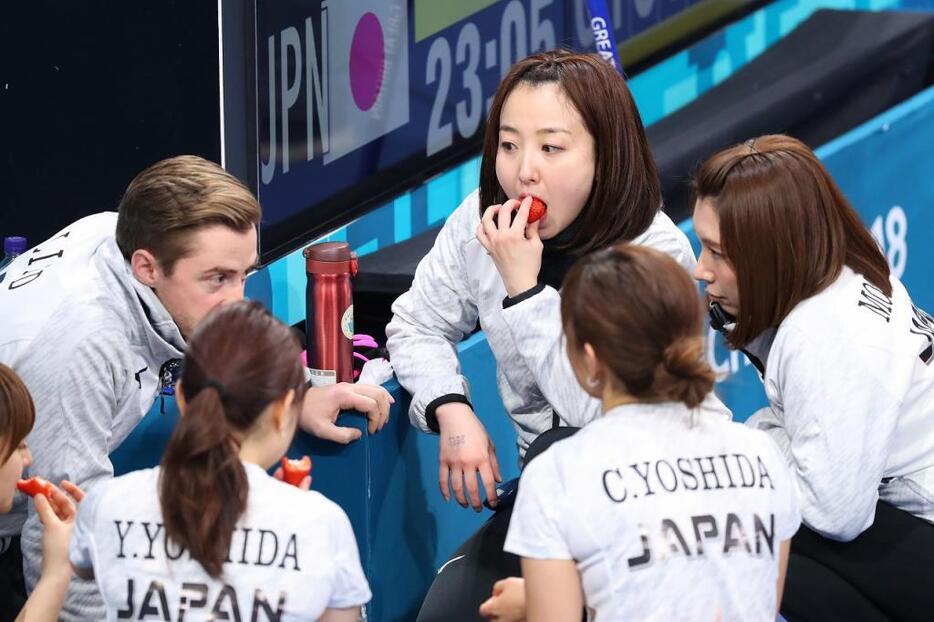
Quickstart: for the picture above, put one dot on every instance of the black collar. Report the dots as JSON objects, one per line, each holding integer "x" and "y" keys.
{"x": 556, "y": 258}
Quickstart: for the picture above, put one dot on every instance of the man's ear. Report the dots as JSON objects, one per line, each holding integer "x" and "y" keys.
{"x": 145, "y": 267}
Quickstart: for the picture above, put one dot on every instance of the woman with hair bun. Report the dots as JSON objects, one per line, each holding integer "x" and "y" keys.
{"x": 208, "y": 534}
{"x": 659, "y": 509}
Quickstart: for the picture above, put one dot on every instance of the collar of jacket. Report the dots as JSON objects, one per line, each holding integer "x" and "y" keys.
{"x": 557, "y": 260}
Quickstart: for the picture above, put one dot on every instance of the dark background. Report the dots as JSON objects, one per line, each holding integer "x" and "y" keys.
{"x": 91, "y": 93}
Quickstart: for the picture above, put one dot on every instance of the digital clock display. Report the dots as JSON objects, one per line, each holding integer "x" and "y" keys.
{"x": 358, "y": 100}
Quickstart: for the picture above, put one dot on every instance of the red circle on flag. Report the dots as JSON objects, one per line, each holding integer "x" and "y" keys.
{"x": 367, "y": 61}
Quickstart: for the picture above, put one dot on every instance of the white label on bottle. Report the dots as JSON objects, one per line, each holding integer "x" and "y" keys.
{"x": 322, "y": 377}
{"x": 347, "y": 323}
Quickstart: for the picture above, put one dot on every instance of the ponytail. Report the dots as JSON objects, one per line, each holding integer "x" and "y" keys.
{"x": 239, "y": 360}
{"x": 203, "y": 485}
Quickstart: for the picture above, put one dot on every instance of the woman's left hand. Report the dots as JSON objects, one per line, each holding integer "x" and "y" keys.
{"x": 305, "y": 484}
{"x": 515, "y": 247}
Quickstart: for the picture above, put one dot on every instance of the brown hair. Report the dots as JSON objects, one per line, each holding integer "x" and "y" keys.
{"x": 626, "y": 194}
{"x": 785, "y": 227}
{"x": 17, "y": 412}
{"x": 239, "y": 360}
{"x": 173, "y": 198}
{"x": 640, "y": 311}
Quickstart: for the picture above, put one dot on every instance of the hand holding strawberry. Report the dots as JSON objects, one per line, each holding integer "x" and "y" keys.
{"x": 514, "y": 244}
{"x": 36, "y": 485}
{"x": 295, "y": 472}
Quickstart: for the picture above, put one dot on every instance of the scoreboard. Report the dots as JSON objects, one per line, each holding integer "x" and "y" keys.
{"x": 332, "y": 106}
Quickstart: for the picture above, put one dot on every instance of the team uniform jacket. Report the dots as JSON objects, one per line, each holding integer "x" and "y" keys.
{"x": 292, "y": 555}
{"x": 668, "y": 513}
{"x": 849, "y": 376}
{"x": 89, "y": 341}
{"x": 456, "y": 284}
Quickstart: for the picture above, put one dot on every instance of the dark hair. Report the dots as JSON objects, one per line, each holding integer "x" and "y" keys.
{"x": 785, "y": 227}
{"x": 640, "y": 311}
{"x": 169, "y": 201}
{"x": 17, "y": 412}
{"x": 626, "y": 194}
{"x": 239, "y": 360}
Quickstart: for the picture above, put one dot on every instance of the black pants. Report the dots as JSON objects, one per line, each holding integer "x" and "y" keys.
{"x": 12, "y": 587}
{"x": 467, "y": 578}
{"x": 887, "y": 573}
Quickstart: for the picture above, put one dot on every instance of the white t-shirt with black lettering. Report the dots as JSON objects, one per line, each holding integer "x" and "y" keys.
{"x": 292, "y": 555}
{"x": 668, "y": 513}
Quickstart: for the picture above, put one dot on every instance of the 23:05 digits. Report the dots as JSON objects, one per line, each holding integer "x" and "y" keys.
{"x": 518, "y": 34}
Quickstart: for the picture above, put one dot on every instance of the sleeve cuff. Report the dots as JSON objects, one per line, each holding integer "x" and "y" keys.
{"x": 508, "y": 302}
{"x": 432, "y": 419}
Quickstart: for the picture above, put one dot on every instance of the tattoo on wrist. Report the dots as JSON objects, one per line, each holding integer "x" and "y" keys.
{"x": 456, "y": 441}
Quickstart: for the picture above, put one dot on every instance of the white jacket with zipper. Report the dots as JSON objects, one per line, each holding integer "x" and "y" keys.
{"x": 849, "y": 375}
{"x": 456, "y": 284}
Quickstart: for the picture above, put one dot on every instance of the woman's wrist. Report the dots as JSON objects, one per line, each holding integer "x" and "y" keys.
{"x": 510, "y": 301}
{"x": 431, "y": 417}
{"x": 452, "y": 411}
{"x": 515, "y": 287}
{"x": 56, "y": 575}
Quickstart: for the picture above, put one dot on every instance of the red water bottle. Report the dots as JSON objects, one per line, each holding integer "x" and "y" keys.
{"x": 329, "y": 322}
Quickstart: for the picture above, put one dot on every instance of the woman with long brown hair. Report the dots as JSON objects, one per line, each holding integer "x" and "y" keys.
{"x": 796, "y": 281}
{"x": 563, "y": 133}
{"x": 658, "y": 510}
{"x": 209, "y": 532}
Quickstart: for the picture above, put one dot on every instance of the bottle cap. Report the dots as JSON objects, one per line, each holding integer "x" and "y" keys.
{"x": 328, "y": 251}
{"x": 14, "y": 245}
{"x": 330, "y": 258}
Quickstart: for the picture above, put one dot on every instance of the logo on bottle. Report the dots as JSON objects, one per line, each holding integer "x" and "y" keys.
{"x": 347, "y": 323}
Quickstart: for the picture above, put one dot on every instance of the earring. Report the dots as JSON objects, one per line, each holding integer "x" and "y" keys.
{"x": 593, "y": 382}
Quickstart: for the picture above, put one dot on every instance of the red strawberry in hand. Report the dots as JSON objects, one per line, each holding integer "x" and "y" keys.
{"x": 294, "y": 471}
{"x": 537, "y": 210}
{"x": 36, "y": 485}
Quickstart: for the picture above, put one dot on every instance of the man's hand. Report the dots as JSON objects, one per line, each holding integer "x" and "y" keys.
{"x": 466, "y": 450}
{"x": 322, "y": 405}
{"x": 514, "y": 247}
{"x": 507, "y": 604}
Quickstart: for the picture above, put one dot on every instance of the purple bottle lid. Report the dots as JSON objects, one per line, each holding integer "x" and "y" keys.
{"x": 14, "y": 245}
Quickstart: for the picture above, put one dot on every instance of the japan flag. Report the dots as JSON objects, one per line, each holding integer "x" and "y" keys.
{"x": 368, "y": 72}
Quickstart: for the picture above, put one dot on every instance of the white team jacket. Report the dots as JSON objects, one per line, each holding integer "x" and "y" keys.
{"x": 850, "y": 380}
{"x": 89, "y": 341}
{"x": 457, "y": 283}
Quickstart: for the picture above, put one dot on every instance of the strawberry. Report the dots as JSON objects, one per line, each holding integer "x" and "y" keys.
{"x": 35, "y": 485}
{"x": 294, "y": 471}
{"x": 537, "y": 210}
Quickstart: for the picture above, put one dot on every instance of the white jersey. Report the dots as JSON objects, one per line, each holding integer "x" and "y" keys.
{"x": 670, "y": 514}
{"x": 849, "y": 376}
{"x": 89, "y": 341}
{"x": 456, "y": 285}
{"x": 292, "y": 555}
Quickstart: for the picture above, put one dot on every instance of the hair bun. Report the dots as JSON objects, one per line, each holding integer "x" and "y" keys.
{"x": 683, "y": 375}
